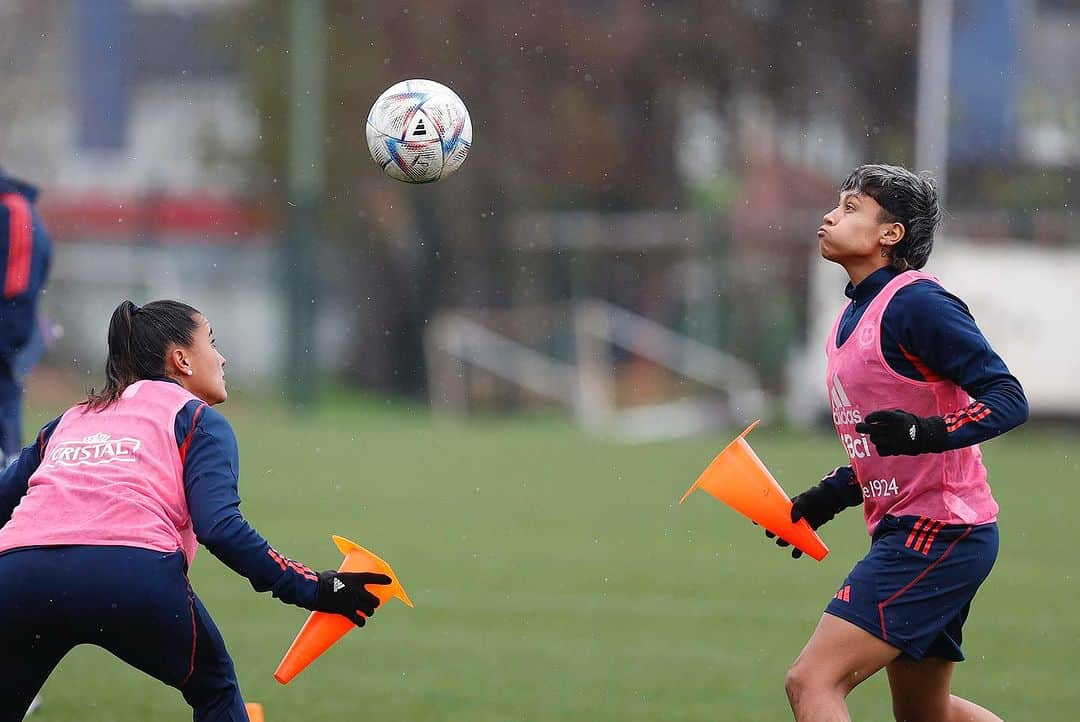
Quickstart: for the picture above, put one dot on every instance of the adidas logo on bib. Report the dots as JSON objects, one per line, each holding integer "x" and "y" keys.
{"x": 843, "y": 412}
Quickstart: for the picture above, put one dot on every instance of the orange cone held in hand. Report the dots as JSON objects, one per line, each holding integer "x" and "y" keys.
{"x": 738, "y": 478}
{"x": 254, "y": 712}
{"x": 323, "y": 629}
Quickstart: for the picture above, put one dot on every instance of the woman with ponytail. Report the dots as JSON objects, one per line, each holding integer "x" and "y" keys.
{"x": 101, "y": 516}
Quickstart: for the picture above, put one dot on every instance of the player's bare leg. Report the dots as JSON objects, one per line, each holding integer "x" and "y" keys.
{"x": 837, "y": 658}
{"x": 920, "y": 693}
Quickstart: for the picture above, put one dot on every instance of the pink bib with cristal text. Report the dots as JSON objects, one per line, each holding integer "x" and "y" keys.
{"x": 110, "y": 477}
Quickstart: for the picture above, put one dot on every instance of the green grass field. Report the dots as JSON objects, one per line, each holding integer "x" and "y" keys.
{"x": 555, "y": 578}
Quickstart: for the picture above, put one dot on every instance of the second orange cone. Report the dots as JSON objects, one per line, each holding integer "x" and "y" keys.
{"x": 738, "y": 478}
{"x": 323, "y": 629}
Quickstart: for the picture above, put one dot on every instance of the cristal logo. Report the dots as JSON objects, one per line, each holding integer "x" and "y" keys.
{"x": 843, "y": 413}
{"x": 94, "y": 450}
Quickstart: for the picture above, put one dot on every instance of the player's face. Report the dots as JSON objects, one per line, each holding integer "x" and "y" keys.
{"x": 207, "y": 365}
{"x": 852, "y": 231}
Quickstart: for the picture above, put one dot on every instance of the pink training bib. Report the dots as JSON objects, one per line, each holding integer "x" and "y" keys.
{"x": 949, "y": 487}
{"x": 111, "y": 477}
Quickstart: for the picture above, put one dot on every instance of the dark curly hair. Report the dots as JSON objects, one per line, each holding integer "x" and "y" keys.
{"x": 907, "y": 198}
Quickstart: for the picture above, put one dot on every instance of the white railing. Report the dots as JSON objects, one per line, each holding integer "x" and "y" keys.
{"x": 600, "y": 326}
{"x": 587, "y": 387}
{"x": 452, "y": 340}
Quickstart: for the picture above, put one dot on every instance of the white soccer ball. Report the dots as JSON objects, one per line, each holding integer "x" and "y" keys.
{"x": 419, "y": 131}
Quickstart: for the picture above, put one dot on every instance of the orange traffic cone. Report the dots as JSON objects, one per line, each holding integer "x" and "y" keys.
{"x": 255, "y": 712}
{"x": 738, "y": 478}
{"x": 322, "y": 629}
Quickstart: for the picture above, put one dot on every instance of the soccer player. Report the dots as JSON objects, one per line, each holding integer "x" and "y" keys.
{"x": 914, "y": 388}
{"x": 101, "y": 516}
{"x": 25, "y": 255}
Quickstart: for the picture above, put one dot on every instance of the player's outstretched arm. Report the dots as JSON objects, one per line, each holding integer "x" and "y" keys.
{"x": 15, "y": 477}
{"x": 211, "y": 474}
{"x": 821, "y": 503}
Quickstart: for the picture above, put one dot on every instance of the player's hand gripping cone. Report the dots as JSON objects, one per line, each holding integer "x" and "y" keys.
{"x": 323, "y": 629}
{"x": 738, "y": 478}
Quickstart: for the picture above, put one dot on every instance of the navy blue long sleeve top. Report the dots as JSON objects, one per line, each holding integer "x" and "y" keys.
{"x": 25, "y": 256}
{"x": 211, "y": 476}
{"x": 928, "y": 334}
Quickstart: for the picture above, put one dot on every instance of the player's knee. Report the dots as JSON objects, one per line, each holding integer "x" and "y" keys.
{"x": 800, "y": 682}
{"x": 807, "y": 679}
{"x": 793, "y": 685}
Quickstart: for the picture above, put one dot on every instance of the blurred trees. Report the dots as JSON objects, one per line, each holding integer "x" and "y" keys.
{"x": 575, "y": 105}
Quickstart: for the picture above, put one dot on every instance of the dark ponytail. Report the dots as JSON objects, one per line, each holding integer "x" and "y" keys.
{"x": 139, "y": 336}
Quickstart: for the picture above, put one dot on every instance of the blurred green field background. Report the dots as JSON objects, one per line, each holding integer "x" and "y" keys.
{"x": 556, "y": 578}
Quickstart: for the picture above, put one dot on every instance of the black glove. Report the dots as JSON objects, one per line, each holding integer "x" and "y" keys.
{"x": 898, "y": 433}
{"x": 820, "y": 504}
{"x": 344, "y": 593}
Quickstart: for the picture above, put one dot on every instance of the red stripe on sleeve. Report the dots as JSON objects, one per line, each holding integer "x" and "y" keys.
{"x": 20, "y": 244}
{"x": 276, "y": 557}
{"x": 921, "y": 367}
{"x": 302, "y": 571}
{"x": 975, "y": 412}
{"x": 187, "y": 439}
{"x": 286, "y": 564}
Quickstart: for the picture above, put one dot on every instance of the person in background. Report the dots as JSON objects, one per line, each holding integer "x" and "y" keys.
{"x": 25, "y": 255}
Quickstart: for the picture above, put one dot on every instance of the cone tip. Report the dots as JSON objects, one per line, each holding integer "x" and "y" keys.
{"x": 344, "y": 545}
{"x": 749, "y": 428}
{"x": 688, "y": 492}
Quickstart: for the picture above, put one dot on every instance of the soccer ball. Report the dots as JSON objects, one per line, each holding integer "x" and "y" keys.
{"x": 419, "y": 131}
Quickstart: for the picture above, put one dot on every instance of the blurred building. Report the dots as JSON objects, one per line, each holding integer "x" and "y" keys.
{"x": 137, "y": 121}
{"x": 673, "y": 163}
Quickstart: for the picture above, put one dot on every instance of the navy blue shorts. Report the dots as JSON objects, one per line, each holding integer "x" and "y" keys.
{"x": 135, "y": 603}
{"x": 914, "y": 588}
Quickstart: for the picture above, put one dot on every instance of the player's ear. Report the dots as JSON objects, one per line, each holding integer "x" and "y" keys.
{"x": 891, "y": 234}
{"x": 177, "y": 362}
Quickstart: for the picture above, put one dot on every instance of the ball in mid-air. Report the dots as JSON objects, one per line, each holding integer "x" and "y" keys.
{"x": 419, "y": 131}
